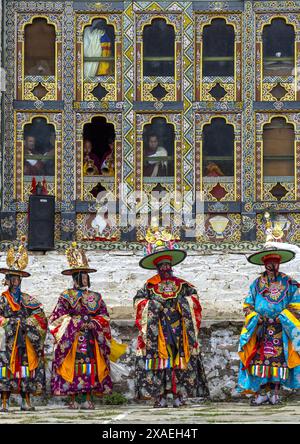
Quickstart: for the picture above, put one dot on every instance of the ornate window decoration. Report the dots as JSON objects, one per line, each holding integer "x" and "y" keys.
{"x": 218, "y": 156}
{"x": 220, "y": 227}
{"x": 98, "y": 159}
{"x": 99, "y": 57}
{"x": 218, "y": 58}
{"x": 277, "y": 57}
{"x": 95, "y": 227}
{"x": 37, "y": 153}
{"x": 159, "y": 57}
{"x": 277, "y": 153}
{"x": 39, "y": 49}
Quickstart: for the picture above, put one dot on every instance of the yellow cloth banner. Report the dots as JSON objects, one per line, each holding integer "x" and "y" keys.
{"x": 116, "y": 350}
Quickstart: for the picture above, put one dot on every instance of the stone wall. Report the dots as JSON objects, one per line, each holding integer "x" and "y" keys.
{"x": 219, "y": 344}
{"x": 222, "y": 280}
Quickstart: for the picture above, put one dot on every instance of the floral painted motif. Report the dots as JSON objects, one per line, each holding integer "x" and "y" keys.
{"x": 273, "y": 291}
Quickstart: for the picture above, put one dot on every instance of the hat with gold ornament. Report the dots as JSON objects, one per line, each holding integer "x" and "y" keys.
{"x": 161, "y": 247}
{"x": 17, "y": 260}
{"x": 77, "y": 261}
{"x": 274, "y": 233}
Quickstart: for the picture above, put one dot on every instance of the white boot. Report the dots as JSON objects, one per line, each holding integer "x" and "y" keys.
{"x": 274, "y": 398}
{"x": 259, "y": 400}
{"x": 161, "y": 403}
{"x": 177, "y": 403}
{"x": 26, "y": 407}
{"x": 4, "y": 408}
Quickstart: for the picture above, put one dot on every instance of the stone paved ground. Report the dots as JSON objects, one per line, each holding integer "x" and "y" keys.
{"x": 234, "y": 412}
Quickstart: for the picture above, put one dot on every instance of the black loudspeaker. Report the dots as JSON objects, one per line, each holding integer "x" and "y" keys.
{"x": 41, "y": 222}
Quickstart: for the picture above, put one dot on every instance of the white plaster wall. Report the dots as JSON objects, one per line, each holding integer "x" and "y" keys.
{"x": 222, "y": 280}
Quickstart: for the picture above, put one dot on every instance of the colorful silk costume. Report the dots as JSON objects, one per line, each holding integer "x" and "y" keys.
{"x": 23, "y": 328}
{"x": 269, "y": 352}
{"x": 168, "y": 316}
{"x": 81, "y": 328}
{"x": 81, "y": 356}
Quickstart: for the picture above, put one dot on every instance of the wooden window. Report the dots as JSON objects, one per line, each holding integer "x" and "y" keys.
{"x": 159, "y": 49}
{"x": 218, "y": 49}
{"x": 39, "y": 148}
{"x": 278, "y": 48}
{"x": 39, "y": 48}
{"x": 278, "y": 148}
{"x": 158, "y": 149}
{"x": 218, "y": 148}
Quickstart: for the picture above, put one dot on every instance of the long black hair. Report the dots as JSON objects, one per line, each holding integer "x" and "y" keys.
{"x": 77, "y": 277}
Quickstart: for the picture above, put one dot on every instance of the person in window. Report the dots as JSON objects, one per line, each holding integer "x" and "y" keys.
{"x": 41, "y": 68}
{"x": 91, "y": 162}
{"x": 23, "y": 328}
{"x": 213, "y": 170}
{"x": 155, "y": 167}
{"x": 29, "y": 145}
{"x": 49, "y": 155}
{"x": 107, "y": 166}
{"x": 33, "y": 165}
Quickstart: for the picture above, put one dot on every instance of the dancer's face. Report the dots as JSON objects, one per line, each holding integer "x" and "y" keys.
{"x": 272, "y": 267}
{"x": 165, "y": 270}
{"x": 15, "y": 282}
{"x": 85, "y": 279}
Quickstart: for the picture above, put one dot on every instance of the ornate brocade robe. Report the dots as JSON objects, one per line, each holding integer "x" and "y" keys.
{"x": 270, "y": 352}
{"x": 168, "y": 316}
{"x": 81, "y": 355}
{"x": 23, "y": 328}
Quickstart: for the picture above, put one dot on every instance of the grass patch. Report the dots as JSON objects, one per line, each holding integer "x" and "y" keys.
{"x": 115, "y": 399}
